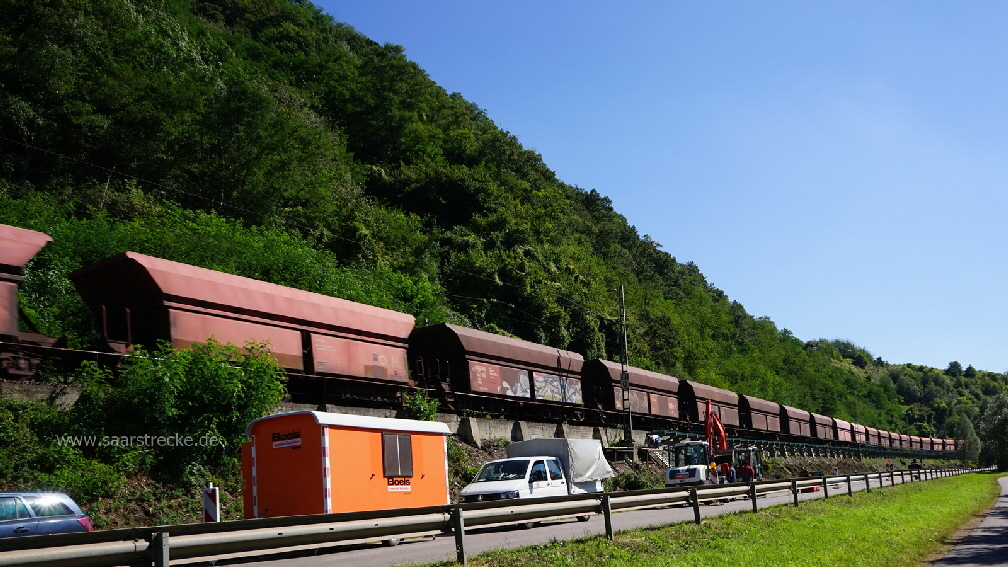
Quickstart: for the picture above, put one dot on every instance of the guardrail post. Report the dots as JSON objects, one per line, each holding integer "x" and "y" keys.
{"x": 892, "y": 478}
{"x": 794, "y": 490}
{"x": 867, "y": 483}
{"x": 752, "y": 496}
{"x": 607, "y": 513}
{"x": 850, "y": 491}
{"x": 159, "y": 549}
{"x": 695, "y": 498}
{"x": 825, "y": 488}
{"x": 458, "y": 526}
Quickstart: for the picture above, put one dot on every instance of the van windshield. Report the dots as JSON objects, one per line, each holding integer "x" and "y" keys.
{"x": 503, "y": 470}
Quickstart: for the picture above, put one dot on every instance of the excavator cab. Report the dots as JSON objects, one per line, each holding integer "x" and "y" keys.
{"x": 690, "y": 453}
{"x": 752, "y": 454}
{"x": 689, "y": 462}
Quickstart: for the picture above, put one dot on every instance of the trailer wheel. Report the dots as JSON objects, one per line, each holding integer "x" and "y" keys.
{"x": 583, "y": 518}
{"x": 391, "y": 542}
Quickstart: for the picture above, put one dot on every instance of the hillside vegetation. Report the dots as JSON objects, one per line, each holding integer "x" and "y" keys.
{"x": 265, "y": 139}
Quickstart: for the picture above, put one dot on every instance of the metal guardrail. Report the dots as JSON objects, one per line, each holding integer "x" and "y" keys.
{"x": 160, "y": 544}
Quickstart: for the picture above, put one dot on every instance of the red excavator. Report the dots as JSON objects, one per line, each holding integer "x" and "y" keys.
{"x": 690, "y": 460}
{"x": 715, "y": 427}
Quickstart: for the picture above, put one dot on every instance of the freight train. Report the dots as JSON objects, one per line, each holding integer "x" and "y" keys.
{"x": 341, "y": 352}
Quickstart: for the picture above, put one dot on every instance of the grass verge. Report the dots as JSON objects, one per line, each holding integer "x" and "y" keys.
{"x": 893, "y": 527}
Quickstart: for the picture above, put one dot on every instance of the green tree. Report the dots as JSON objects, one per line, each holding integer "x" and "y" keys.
{"x": 969, "y": 452}
{"x": 994, "y": 430}
{"x": 207, "y": 393}
{"x": 954, "y": 369}
{"x": 420, "y": 406}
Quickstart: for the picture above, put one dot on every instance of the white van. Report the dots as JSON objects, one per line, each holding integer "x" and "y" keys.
{"x": 540, "y": 468}
{"x": 525, "y": 477}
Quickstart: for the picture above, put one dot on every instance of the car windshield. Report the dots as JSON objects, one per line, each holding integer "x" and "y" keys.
{"x": 687, "y": 455}
{"x": 503, "y": 470}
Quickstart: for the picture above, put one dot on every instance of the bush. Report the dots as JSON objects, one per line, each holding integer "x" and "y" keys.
{"x": 771, "y": 464}
{"x": 642, "y": 478}
{"x": 461, "y": 471}
{"x": 420, "y": 406}
{"x": 32, "y": 457}
{"x": 196, "y": 402}
{"x": 85, "y": 480}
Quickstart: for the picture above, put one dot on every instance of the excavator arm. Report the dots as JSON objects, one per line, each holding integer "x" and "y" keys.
{"x": 715, "y": 428}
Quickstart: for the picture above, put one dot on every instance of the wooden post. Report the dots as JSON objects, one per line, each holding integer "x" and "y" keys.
{"x": 607, "y": 513}
{"x": 850, "y": 491}
{"x": 696, "y": 505}
{"x": 752, "y": 496}
{"x": 794, "y": 490}
{"x": 867, "y": 483}
{"x": 825, "y": 488}
{"x": 458, "y": 526}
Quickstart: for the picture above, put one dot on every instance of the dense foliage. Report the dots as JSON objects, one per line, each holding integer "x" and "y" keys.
{"x": 994, "y": 429}
{"x": 265, "y": 139}
{"x": 175, "y": 416}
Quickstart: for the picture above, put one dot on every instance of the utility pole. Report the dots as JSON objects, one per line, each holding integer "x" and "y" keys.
{"x": 624, "y": 375}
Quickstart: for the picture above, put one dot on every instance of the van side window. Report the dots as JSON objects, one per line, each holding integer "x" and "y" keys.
{"x": 538, "y": 473}
{"x": 554, "y": 469}
{"x": 397, "y": 454}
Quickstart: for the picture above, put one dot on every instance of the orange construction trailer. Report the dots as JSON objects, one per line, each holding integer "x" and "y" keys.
{"x": 311, "y": 462}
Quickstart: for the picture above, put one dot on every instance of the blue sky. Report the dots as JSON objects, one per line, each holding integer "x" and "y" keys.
{"x": 837, "y": 166}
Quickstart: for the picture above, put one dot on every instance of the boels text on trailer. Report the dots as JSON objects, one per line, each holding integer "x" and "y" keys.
{"x": 311, "y": 462}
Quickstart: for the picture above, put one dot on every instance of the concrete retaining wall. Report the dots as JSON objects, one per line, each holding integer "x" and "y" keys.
{"x": 62, "y": 395}
{"x": 478, "y": 429}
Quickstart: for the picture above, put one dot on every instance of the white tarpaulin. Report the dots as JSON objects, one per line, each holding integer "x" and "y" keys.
{"x": 582, "y": 459}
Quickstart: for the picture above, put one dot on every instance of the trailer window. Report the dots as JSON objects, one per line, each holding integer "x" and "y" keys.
{"x": 397, "y": 454}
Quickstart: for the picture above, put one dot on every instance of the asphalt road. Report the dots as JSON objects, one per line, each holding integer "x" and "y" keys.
{"x": 986, "y": 544}
{"x": 427, "y": 549}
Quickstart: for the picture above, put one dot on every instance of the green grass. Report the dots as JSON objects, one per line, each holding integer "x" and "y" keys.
{"x": 892, "y": 527}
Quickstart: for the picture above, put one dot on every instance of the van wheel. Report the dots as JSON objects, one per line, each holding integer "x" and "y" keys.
{"x": 583, "y": 518}
{"x": 391, "y": 542}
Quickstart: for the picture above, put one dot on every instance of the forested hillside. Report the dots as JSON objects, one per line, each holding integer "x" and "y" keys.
{"x": 264, "y": 138}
